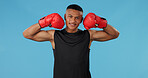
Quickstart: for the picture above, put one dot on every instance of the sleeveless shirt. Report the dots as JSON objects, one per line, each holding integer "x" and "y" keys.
{"x": 71, "y": 54}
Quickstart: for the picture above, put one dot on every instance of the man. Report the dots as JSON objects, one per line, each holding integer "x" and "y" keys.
{"x": 71, "y": 45}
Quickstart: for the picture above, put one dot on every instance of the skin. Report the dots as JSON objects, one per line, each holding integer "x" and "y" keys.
{"x": 73, "y": 19}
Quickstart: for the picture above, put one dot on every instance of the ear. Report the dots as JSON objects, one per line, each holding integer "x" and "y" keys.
{"x": 81, "y": 20}
{"x": 65, "y": 16}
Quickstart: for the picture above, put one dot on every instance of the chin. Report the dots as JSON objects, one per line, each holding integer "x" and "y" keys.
{"x": 71, "y": 27}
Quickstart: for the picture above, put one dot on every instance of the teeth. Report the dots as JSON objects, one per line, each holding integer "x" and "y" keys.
{"x": 72, "y": 24}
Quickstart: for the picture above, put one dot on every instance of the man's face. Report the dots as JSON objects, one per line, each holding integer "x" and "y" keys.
{"x": 73, "y": 18}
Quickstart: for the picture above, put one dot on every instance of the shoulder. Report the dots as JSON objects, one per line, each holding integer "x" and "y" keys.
{"x": 51, "y": 33}
{"x": 91, "y": 32}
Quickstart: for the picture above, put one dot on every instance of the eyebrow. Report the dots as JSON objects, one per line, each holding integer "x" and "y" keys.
{"x": 71, "y": 15}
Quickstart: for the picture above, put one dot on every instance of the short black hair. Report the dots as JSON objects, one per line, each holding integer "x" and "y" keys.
{"x": 75, "y": 7}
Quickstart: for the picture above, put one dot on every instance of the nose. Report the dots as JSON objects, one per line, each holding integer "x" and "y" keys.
{"x": 73, "y": 20}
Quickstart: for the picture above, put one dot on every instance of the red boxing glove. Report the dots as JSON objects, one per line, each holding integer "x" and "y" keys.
{"x": 92, "y": 21}
{"x": 52, "y": 20}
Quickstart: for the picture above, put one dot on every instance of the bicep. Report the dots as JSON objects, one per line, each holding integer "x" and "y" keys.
{"x": 101, "y": 36}
{"x": 43, "y": 36}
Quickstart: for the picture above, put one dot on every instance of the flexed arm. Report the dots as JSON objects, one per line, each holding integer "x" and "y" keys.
{"x": 94, "y": 21}
{"x": 35, "y": 33}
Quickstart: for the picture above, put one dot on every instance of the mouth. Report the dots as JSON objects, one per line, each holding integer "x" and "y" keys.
{"x": 71, "y": 24}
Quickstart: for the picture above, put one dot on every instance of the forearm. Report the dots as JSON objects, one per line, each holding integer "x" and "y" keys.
{"x": 111, "y": 31}
{"x": 32, "y": 30}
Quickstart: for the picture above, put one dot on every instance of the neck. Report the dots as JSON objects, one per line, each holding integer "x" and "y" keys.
{"x": 71, "y": 31}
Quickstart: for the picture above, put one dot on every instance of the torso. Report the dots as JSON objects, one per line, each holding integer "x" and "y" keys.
{"x": 53, "y": 44}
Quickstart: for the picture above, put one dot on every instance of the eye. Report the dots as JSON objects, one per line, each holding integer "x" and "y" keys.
{"x": 77, "y": 17}
{"x": 70, "y": 16}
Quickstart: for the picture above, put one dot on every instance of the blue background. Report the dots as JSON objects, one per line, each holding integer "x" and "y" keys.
{"x": 124, "y": 57}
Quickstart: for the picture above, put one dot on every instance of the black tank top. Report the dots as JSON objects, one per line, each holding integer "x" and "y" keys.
{"x": 71, "y": 54}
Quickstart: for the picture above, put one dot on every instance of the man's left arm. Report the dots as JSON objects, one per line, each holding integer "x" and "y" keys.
{"x": 108, "y": 33}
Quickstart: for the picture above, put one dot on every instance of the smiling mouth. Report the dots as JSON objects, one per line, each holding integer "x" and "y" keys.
{"x": 72, "y": 24}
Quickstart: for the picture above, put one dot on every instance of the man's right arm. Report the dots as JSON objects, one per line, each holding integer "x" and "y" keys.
{"x": 35, "y": 33}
